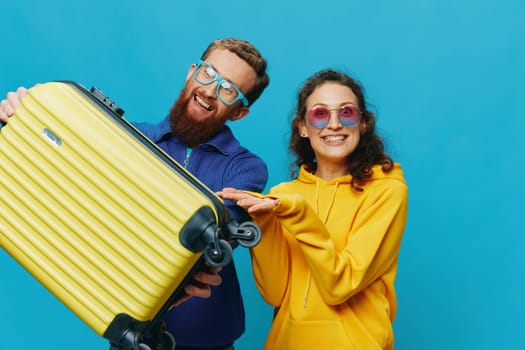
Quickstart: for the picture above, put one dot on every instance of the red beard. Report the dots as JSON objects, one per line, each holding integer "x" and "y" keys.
{"x": 192, "y": 132}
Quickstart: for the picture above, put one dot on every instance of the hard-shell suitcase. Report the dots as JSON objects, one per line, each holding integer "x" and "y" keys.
{"x": 102, "y": 217}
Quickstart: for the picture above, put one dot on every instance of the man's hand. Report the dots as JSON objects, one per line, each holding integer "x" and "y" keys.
{"x": 12, "y": 101}
{"x": 201, "y": 284}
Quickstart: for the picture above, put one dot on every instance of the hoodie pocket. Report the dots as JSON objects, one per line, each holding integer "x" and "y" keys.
{"x": 316, "y": 335}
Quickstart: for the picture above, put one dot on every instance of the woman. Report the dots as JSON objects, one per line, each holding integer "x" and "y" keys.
{"x": 328, "y": 256}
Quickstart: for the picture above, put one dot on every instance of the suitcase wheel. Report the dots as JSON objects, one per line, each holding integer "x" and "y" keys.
{"x": 165, "y": 341}
{"x": 159, "y": 337}
{"x": 218, "y": 256}
{"x": 248, "y": 234}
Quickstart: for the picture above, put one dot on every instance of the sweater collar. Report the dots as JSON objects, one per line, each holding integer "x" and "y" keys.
{"x": 223, "y": 141}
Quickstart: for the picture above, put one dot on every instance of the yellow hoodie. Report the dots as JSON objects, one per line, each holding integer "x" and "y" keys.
{"x": 327, "y": 261}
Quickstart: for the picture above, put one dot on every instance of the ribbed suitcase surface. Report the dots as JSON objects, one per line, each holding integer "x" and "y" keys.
{"x": 89, "y": 211}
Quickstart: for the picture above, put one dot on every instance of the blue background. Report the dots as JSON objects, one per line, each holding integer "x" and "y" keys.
{"x": 445, "y": 78}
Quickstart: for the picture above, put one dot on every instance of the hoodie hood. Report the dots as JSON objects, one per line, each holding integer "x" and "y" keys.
{"x": 377, "y": 174}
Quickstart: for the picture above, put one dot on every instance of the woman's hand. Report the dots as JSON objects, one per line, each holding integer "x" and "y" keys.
{"x": 249, "y": 202}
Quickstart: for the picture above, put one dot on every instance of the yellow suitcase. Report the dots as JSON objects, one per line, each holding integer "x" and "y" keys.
{"x": 85, "y": 210}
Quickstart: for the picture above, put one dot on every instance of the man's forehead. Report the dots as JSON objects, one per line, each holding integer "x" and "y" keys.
{"x": 231, "y": 67}
{"x": 221, "y": 59}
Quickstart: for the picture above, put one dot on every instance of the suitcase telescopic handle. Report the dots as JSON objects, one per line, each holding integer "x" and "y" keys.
{"x": 99, "y": 95}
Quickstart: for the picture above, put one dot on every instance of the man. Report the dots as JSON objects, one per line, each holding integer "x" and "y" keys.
{"x": 221, "y": 86}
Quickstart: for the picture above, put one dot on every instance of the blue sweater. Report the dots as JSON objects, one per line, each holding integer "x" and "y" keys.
{"x": 220, "y": 162}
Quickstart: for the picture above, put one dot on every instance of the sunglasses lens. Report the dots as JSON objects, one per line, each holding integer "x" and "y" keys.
{"x": 349, "y": 115}
{"x": 318, "y": 117}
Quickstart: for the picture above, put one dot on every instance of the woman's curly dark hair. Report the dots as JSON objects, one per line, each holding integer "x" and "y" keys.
{"x": 369, "y": 152}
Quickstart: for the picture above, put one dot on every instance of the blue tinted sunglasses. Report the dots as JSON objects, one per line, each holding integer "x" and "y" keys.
{"x": 319, "y": 117}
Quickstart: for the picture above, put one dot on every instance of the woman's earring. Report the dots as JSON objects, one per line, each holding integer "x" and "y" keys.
{"x": 303, "y": 135}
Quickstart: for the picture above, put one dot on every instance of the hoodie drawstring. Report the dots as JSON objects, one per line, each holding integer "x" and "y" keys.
{"x": 325, "y": 219}
{"x": 331, "y": 204}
